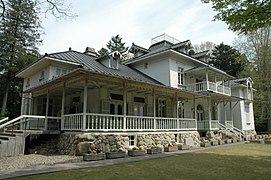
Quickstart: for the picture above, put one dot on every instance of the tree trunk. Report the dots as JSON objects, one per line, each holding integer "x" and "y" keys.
{"x": 5, "y": 100}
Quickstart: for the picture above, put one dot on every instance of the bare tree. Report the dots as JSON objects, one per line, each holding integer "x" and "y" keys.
{"x": 58, "y": 8}
{"x": 204, "y": 46}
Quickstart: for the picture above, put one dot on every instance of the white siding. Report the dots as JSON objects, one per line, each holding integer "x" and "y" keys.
{"x": 157, "y": 69}
{"x": 186, "y": 64}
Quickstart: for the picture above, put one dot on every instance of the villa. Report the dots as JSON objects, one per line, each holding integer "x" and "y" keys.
{"x": 162, "y": 94}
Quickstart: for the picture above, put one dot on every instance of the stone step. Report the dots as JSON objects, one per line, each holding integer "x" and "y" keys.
{"x": 8, "y": 134}
{"x": 15, "y": 131}
{"x": 4, "y": 138}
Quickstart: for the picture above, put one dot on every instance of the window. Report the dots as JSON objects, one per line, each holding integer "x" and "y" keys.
{"x": 180, "y": 76}
{"x": 41, "y": 76}
{"x": 176, "y": 138}
{"x": 161, "y": 108}
{"x": 139, "y": 100}
{"x": 247, "y": 113}
{"x": 181, "y": 109}
{"x": 146, "y": 66}
{"x": 58, "y": 71}
{"x": 132, "y": 140}
{"x": 27, "y": 82}
{"x": 116, "y": 96}
{"x": 113, "y": 63}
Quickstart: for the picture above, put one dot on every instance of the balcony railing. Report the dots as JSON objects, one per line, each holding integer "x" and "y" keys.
{"x": 106, "y": 122}
{"x": 208, "y": 125}
{"x": 209, "y": 86}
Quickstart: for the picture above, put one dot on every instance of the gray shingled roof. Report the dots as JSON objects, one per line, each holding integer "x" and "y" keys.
{"x": 90, "y": 63}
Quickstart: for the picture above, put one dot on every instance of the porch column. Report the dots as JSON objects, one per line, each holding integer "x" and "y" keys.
{"x": 215, "y": 83}
{"x": 47, "y": 110}
{"x": 85, "y": 105}
{"x": 29, "y": 101}
{"x": 207, "y": 79}
{"x": 154, "y": 110}
{"x": 124, "y": 105}
{"x": 195, "y": 112}
{"x": 63, "y": 106}
{"x": 177, "y": 111}
{"x": 195, "y": 108}
{"x": 209, "y": 112}
{"x": 231, "y": 112}
{"x": 225, "y": 113}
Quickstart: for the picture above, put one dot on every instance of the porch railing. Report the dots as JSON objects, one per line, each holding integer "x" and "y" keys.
{"x": 208, "y": 125}
{"x": 106, "y": 122}
{"x": 33, "y": 122}
{"x": 229, "y": 124}
{"x": 209, "y": 86}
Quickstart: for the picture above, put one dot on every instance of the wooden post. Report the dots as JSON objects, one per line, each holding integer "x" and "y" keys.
{"x": 209, "y": 112}
{"x": 124, "y": 106}
{"x": 231, "y": 112}
{"x": 47, "y": 110}
{"x": 195, "y": 111}
{"x": 85, "y": 105}
{"x": 207, "y": 80}
{"x": 63, "y": 106}
{"x": 177, "y": 111}
{"x": 154, "y": 109}
{"x": 225, "y": 113}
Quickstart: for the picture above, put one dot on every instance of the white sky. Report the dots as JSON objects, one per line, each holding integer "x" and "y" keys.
{"x": 135, "y": 21}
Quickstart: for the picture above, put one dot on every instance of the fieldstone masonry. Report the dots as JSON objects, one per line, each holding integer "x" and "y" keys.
{"x": 77, "y": 144}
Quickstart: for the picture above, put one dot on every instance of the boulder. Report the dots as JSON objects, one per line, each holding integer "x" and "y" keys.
{"x": 82, "y": 147}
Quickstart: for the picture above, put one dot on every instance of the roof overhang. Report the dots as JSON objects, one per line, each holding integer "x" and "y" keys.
{"x": 40, "y": 64}
{"x": 80, "y": 74}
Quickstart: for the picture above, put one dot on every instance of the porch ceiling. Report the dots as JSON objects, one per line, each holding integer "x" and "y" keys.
{"x": 78, "y": 78}
{"x": 201, "y": 72}
{"x": 223, "y": 98}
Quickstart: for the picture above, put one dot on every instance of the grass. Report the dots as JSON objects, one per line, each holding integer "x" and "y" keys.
{"x": 246, "y": 161}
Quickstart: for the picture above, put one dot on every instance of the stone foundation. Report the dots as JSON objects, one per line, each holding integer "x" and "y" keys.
{"x": 77, "y": 144}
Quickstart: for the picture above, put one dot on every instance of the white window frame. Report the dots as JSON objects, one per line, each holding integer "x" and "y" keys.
{"x": 132, "y": 141}
{"x": 41, "y": 76}
{"x": 113, "y": 63}
{"x": 180, "y": 76}
{"x": 27, "y": 84}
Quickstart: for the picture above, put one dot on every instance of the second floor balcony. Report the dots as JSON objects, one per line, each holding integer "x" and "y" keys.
{"x": 209, "y": 86}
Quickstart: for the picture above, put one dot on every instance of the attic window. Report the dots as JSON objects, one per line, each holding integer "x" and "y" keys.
{"x": 146, "y": 66}
{"x": 41, "y": 76}
{"x": 27, "y": 82}
{"x": 113, "y": 63}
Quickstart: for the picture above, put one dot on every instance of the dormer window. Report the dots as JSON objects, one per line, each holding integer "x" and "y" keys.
{"x": 27, "y": 84}
{"x": 41, "y": 76}
{"x": 113, "y": 63}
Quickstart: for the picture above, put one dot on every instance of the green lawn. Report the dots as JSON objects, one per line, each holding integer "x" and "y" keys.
{"x": 247, "y": 161}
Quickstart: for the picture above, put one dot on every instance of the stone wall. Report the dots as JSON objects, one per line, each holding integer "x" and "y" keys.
{"x": 76, "y": 144}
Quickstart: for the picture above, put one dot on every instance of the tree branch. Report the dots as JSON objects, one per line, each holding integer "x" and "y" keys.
{"x": 2, "y": 8}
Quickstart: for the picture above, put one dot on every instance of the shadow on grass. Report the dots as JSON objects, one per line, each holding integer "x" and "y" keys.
{"x": 213, "y": 164}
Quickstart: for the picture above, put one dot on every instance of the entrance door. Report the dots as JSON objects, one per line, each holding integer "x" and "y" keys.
{"x": 200, "y": 113}
{"x": 116, "y": 108}
{"x": 139, "y": 110}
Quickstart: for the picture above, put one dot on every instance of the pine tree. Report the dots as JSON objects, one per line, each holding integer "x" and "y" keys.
{"x": 228, "y": 59}
{"x": 103, "y": 52}
{"x": 19, "y": 37}
{"x": 116, "y": 44}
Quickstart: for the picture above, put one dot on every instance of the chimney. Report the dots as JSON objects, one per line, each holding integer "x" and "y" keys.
{"x": 91, "y": 51}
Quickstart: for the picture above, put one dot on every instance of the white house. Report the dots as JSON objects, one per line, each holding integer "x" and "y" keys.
{"x": 163, "y": 90}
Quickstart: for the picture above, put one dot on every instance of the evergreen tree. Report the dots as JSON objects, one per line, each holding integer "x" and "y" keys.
{"x": 19, "y": 37}
{"x": 116, "y": 44}
{"x": 228, "y": 59}
{"x": 103, "y": 52}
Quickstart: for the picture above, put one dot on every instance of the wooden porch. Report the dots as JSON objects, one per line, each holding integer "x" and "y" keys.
{"x": 209, "y": 86}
